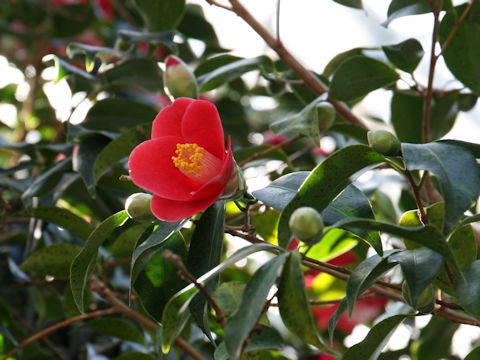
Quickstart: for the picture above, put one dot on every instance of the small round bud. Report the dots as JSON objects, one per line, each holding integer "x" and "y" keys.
{"x": 426, "y": 301}
{"x": 306, "y": 224}
{"x": 325, "y": 114}
{"x": 383, "y": 142}
{"x": 178, "y": 79}
{"x": 138, "y": 207}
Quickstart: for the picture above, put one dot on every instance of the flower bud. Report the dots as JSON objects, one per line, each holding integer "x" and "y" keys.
{"x": 306, "y": 224}
{"x": 138, "y": 207}
{"x": 383, "y": 142}
{"x": 325, "y": 115}
{"x": 178, "y": 79}
{"x": 426, "y": 301}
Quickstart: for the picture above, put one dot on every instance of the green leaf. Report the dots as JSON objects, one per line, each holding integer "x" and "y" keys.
{"x": 48, "y": 179}
{"x": 467, "y": 288}
{"x": 228, "y": 295}
{"x": 71, "y": 20}
{"x": 194, "y": 25}
{"x": 305, "y": 122}
{"x": 466, "y": 68}
{"x": 326, "y": 181}
{"x": 372, "y": 345}
{"x": 474, "y": 354}
{"x": 84, "y": 159}
{"x": 419, "y": 266}
{"x": 125, "y": 243}
{"x": 53, "y": 260}
{"x": 159, "y": 281}
{"x": 117, "y": 328}
{"x": 92, "y": 52}
{"x": 356, "y": 4}
{"x": 463, "y": 245}
{"x": 61, "y": 217}
{"x": 158, "y": 38}
{"x": 351, "y": 131}
{"x": 400, "y": 8}
{"x": 120, "y": 148}
{"x": 435, "y": 340}
{"x": 366, "y": 274}
{"x": 139, "y": 73}
{"x": 338, "y": 59}
{"x": 65, "y": 69}
{"x": 213, "y": 63}
{"x": 332, "y": 322}
{"x": 407, "y": 117}
{"x": 251, "y": 306}
{"x": 293, "y": 303}
{"x": 359, "y": 75}
{"x": 85, "y": 261}
{"x": 448, "y": 163}
{"x": 226, "y": 73}
{"x": 243, "y": 154}
{"x": 405, "y": 55}
{"x": 335, "y": 242}
{"x": 134, "y": 355}
{"x": 118, "y": 115}
{"x": 204, "y": 254}
{"x": 160, "y": 15}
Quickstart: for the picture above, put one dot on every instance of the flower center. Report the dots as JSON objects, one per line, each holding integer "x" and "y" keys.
{"x": 196, "y": 163}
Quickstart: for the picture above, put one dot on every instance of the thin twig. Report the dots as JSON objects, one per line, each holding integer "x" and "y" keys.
{"x": 213, "y": 2}
{"x": 184, "y": 273}
{"x": 418, "y": 200}
{"x": 456, "y": 27}
{"x": 278, "y": 20}
{"x": 269, "y": 150}
{"x": 58, "y": 326}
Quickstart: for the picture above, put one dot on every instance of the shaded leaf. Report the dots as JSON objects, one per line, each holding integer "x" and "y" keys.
{"x": 474, "y": 354}
{"x": 125, "y": 243}
{"x": 92, "y": 52}
{"x": 118, "y": 328}
{"x": 355, "y": 4}
{"x": 48, "y": 179}
{"x": 338, "y": 59}
{"x": 134, "y": 355}
{"x": 160, "y": 15}
{"x": 137, "y": 72}
{"x": 467, "y": 288}
{"x": 53, "y": 260}
{"x": 405, "y": 55}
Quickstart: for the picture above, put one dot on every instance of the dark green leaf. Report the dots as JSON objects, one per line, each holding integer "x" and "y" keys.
{"x": 372, "y": 345}
{"x": 160, "y": 38}
{"x": 138, "y": 72}
{"x": 133, "y": 355}
{"x": 120, "y": 148}
{"x": 338, "y": 59}
{"x": 160, "y": 15}
{"x": 54, "y": 260}
{"x": 84, "y": 159}
{"x": 467, "y": 288}
{"x": 355, "y": 132}
{"x": 229, "y": 72}
{"x": 125, "y": 243}
{"x": 400, "y": 8}
{"x": 213, "y": 63}
{"x": 118, "y": 328}
{"x": 61, "y": 217}
{"x": 293, "y": 303}
{"x": 85, "y": 261}
{"x": 332, "y": 322}
{"x": 356, "y": 4}
{"x": 251, "y": 306}
{"x": 72, "y": 19}
{"x": 405, "y": 55}
{"x": 65, "y": 69}
{"x": 448, "y": 163}
{"x": 474, "y": 354}
{"x": 463, "y": 245}
{"x": 48, "y": 179}
{"x": 434, "y": 340}
{"x": 228, "y": 295}
{"x": 359, "y": 75}
{"x": 194, "y": 25}
{"x": 326, "y": 181}
{"x": 92, "y": 52}
{"x": 419, "y": 266}
{"x": 118, "y": 115}
{"x": 473, "y": 148}
{"x": 407, "y": 117}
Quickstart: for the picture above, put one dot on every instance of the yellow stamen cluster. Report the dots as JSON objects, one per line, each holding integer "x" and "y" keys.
{"x": 189, "y": 158}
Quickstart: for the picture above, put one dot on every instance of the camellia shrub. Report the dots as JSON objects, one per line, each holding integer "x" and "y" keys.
{"x": 157, "y": 214}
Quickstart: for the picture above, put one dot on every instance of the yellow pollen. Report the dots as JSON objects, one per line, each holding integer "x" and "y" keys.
{"x": 189, "y": 158}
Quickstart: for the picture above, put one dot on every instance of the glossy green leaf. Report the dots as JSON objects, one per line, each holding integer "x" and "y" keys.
{"x": 117, "y": 328}
{"x": 405, "y": 55}
{"x": 155, "y": 38}
{"x": 48, "y": 179}
{"x": 118, "y": 115}
{"x": 85, "y": 261}
{"x": 420, "y": 267}
{"x": 120, "y": 148}
{"x": 63, "y": 218}
{"x": 407, "y": 117}
{"x": 326, "y": 181}
{"x": 214, "y": 62}
{"x": 355, "y": 4}
{"x": 332, "y": 322}
{"x": 160, "y": 15}
{"x": 335, "y": 242}
{"x": 125, "y": 243}
{"x": 194, "y": 25}
{"x": 435, "y": 339}
{"x": 466, "y": 67}
{"x": 474, "y": 354}
{"x": 473, "y": 148}
{"x": 359, "y": 75}
{"x": 84, "y": 159}
{"x": 134, "y": 355}
{"x": 159, "y": 281}
{"x": 350, "y": 131}
{"x": 92, "y": 52}
{"x": 53, "y": 260}
{"x": 65, "y": 69}
{"x": 204, "y": 254}
{"x": 251, "y": 306}
{"x": 463, "y": 245}
{"x": 293, "y": 303}
{"x": 139, "y": 73}
{"x": 228, "y": 295}
{"x": 366, "y": 274}
{"x": 338, "y": 59}
{"x": 226, "y": 73}
{"x": 400, "y": 8}
{"x": 448, "y": 163}
{"x": 467, "y": 288}
{"x": 372, "y": 345}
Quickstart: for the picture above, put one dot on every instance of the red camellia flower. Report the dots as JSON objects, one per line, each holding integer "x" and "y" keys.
{"x": 185, "y": 164}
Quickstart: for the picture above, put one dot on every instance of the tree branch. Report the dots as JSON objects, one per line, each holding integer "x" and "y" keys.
{"x": 456, "y": 27}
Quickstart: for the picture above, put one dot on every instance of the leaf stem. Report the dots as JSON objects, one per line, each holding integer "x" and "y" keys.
{"x": 418, "y": 200}
{"x": 456, "y": 27}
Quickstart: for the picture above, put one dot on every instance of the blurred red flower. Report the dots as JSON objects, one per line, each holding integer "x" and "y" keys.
{"x": 185, "y": 164}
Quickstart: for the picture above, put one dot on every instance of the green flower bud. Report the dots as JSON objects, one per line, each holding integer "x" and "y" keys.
{"x": 426, "y": 301}
{"x": 383, "y": 142}
{"x": 178, "y": 79}
{"x": 325, "y": 114}
{"x": 306, "y": 224}
{"x": 138, "y": 207}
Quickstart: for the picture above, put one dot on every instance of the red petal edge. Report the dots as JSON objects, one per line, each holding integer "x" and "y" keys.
{"x": 169, "y": 121}
{"x": 171, "y": 210}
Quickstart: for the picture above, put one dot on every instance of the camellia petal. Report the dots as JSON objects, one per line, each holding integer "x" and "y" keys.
{"x": 201, "y": 125}
{"x": 171, "y": 210}
{"x": 152, "y": 168}
{"x": 169, "y": 121}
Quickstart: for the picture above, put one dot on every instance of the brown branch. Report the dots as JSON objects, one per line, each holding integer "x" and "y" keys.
{"x": 185, "y": 274}
{"x": 269, "y": 150}
{"x": 456, "y": 27}
{"x": 58, "y": 326}
{"x": 310, "y": 80}
{"x": 213, "y": 2}
{"x": 418, "y": 200}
